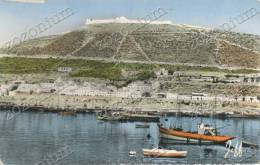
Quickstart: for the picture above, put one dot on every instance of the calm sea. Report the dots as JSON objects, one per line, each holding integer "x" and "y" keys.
{"x": 35, "y": 138}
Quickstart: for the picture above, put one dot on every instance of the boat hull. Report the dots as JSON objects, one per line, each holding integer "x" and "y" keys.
{"x": 164, "y": 153}
{"x": 141, "y": 126}
{"x": 192, "y": 137}
{"x": 187, "y": 140}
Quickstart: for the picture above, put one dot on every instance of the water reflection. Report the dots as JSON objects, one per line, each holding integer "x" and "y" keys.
{"x": 209, "y": 153}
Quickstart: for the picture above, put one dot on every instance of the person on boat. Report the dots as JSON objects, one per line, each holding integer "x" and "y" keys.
{"x": 201, "y": 129}
{"x": 205, "y": 129}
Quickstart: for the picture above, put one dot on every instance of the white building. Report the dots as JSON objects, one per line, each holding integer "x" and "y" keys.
{"x": 162, "y": 72}
{"x": 27, "y": 88}
{"x": 64, "y": 69}
{"x": 123, "y": 20}
{"x": 46, "y": 88}
{"x": 4, "y": 90}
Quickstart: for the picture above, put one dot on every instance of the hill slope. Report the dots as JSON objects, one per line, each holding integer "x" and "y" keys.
{"x": 162, "y": 43}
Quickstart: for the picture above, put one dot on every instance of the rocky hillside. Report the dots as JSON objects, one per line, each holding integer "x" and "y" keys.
{"x": 164, "y": 43}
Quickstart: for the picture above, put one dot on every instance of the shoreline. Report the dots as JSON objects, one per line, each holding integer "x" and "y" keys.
{"x": 183, "y": 113}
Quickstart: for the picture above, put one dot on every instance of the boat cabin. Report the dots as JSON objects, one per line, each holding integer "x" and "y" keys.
{"x": 205, "y": 129}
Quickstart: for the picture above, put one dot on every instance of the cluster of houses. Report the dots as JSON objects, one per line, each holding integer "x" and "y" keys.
{"x": 138, "y": 89}
{"x": 181, "y": 75}
{"x": 228, "y": 78}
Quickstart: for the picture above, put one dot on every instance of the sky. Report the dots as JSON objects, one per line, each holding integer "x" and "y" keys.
{"x": 16, "y": 18}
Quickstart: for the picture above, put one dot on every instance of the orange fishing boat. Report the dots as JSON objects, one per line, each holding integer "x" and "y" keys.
{"x": 205, "y": 134}
{"x": 164, "y": 153}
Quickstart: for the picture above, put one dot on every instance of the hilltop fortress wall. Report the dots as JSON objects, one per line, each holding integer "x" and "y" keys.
{"x": 123, "y": 20}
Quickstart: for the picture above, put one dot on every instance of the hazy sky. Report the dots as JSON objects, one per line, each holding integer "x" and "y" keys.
{"x": 16, "y": 18}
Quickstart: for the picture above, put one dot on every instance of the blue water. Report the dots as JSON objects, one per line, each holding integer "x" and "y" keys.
{"x": 29, "y": 137}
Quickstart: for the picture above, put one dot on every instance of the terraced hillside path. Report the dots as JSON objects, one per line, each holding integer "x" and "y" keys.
{"x": 86, "y": 40}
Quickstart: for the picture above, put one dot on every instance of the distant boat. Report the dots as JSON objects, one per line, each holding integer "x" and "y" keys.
{"x": 164, "y": 153}
{"x": 108, "y": 118}
{"x": 140, "y": 117}
{"x": 132, "y": 153}
{"x": 205, "y": 134}
{"x": 67, "y": 113}
{"x": 249, "y": 144}
{"x": 124, "y": 117}
{"x": 115, "y": 116}
{"x": 142, "y": 126}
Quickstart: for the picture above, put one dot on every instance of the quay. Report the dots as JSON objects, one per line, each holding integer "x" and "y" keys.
{"x": 149, "y": 115}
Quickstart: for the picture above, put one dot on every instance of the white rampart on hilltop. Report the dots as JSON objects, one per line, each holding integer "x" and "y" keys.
{"x": 124, "y": 20}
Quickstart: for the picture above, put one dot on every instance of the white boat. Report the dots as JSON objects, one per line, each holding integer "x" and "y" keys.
{"x": 132, "y": 153}
{"x": 1, "y": 163}
{"x": 164, "y": 153}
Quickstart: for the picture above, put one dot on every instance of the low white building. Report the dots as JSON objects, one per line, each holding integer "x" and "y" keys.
{"x": 4, "y": 90}
{"x": 162, "y": 72}
{"x": 135, "y": 90}
{"x": 46, "y": 88}
{"x": 64, "y": 69}
{"x": 27, "y": 88}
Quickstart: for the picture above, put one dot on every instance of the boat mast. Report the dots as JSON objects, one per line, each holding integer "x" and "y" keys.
{"x": 179, "y": 124}
{"x": 201, "y": 109}
{"x": 176, "y": 114}
{"x": 213, "y": 112}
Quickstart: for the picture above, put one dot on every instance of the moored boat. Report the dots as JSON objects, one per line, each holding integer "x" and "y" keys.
{"x": 67, "y": 113}
{"x": 164, "y": 153}
{"x": 109, "y": 116}
{"x": 124, "y": 117}
{"x": 132, "y": 153}
{"x": 205, "y": 134}
{"x": 140, "y": 117}
{"x": 142, "y": 126}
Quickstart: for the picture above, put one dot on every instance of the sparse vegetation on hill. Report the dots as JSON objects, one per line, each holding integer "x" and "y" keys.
{"x": 60, "y": 45}
{"x": 97, "y": 69}
{"x": 164, "y": 43}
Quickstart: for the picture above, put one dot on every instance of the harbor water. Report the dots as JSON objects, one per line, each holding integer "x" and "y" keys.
{"x": 32, "y": 138}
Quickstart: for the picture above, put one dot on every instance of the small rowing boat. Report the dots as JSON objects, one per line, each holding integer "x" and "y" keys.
{"x": 164, "y": 153}
{"x": 132, "y": 153}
